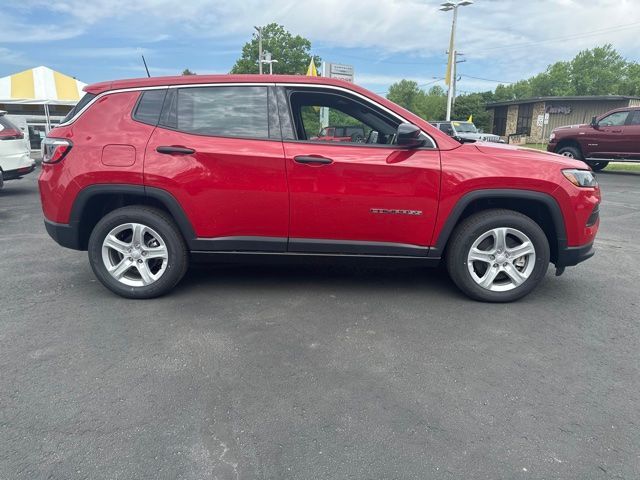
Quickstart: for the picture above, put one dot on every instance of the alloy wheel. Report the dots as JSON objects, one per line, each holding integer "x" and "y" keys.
{"x": 134, "y": 254}
{"x": 501, "y": 259}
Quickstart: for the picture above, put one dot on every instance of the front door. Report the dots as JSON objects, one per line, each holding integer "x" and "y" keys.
{"x": 218, "y": 153}
{"x": 361, "y": 194}
{"x": 606, "y": 140}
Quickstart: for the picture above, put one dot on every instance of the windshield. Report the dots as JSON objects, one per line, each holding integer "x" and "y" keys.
{"x": 465, "y": 127}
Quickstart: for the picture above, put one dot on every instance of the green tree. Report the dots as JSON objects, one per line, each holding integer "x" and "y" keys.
{"x": 186, "y": 71}
{"x": 474, "y": 104}
{"x": 597, "y": 71}
{"x": 293, "y": 53}
{"x": 407, "y": 94}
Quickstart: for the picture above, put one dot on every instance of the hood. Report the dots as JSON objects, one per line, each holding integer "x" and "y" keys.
{"x": 515, "y": 152}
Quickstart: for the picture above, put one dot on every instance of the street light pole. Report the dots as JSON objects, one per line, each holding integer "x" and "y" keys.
{"x": 445, "y": 7}
{"x": 259, "y": 29}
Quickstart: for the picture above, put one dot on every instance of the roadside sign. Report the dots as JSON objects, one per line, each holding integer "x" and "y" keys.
{"x": 540, "y": 120}
{"x": 546, "y": 118}
{"x": 339, "y": 71}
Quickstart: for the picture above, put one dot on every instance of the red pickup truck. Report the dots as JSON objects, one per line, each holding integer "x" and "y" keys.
{"x": 613, "y": 136}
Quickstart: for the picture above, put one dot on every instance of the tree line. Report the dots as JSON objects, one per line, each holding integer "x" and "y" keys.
{"x": 598, "y": 71}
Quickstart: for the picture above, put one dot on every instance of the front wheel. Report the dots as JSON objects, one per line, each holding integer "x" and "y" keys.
{"x": 570, "y": 152}
{"x": 497, "y": 255}
{"x": 597, "y": 166}
{"x": 137, "y": 252}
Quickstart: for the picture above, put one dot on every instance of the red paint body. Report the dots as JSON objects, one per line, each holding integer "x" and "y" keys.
{"x": 246, "y": 187}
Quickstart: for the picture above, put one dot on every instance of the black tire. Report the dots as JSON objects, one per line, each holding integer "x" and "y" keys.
{"x": 163, "y": 225}
{"x": 597, "y": 166}
{"x": 476, "y": 225}
{"x": 571, "y": 152}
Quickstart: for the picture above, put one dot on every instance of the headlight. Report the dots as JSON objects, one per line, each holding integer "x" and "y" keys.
{"x": 551, "y": 137}
{"x": 581, "y": 178}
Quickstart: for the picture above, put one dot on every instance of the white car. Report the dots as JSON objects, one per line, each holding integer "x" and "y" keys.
{"x": 15, "y": 153}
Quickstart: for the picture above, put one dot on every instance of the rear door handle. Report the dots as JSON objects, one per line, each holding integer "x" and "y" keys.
{"x": 310, "y": 159}
{"x": 171, "y": 150}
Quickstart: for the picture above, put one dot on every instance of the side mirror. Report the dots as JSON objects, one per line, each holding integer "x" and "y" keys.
{"x": 409, "y": 136}
{"x": 594, "y": 122}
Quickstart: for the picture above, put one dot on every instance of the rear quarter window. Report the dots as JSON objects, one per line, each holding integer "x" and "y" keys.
{"x": 79, "y": 106}
{"x": 149, "y": 106}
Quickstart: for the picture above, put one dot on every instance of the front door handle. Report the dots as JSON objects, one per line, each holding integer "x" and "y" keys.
{"x": 172, "y": 150}
{"x": 311, "y": 159}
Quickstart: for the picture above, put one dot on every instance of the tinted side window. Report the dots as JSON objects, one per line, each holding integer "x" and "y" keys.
{"x": 634, "y": 118}
{"x": 614, "y": 120}
{"x": 79, "y": 106}
{"x": 223, "y": 111}
{"x": 149, "y": 106}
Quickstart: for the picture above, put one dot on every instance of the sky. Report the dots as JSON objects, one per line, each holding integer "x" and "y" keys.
{"x": 385, "y": 40}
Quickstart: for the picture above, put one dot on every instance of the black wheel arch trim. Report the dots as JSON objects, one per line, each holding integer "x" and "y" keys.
{"x": 160, "y": 195}
{"x": 468, "y": 198}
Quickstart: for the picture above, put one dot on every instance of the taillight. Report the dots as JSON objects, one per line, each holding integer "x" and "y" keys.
{"x": 55, "y": 149}
{"x": 11, "y": 134}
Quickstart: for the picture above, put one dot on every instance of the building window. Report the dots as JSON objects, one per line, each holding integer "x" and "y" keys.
{"x": 500, "y": 121}
{"x": 525, "y": 112}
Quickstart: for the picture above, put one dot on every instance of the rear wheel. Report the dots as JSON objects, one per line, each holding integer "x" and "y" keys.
{"x": 137, "y": 252}
{"x": 497, "y": 255}
{"x": 597, "y": 166}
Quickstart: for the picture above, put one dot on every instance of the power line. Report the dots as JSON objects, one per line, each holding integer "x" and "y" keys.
{"x": 593, "y": 33}
{"x": 485, "y": 79}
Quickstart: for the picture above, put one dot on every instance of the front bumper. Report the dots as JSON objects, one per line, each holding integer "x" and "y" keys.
{"x": 570, "y": 256}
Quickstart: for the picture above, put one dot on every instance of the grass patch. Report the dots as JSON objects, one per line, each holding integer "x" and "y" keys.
{"x": 622, "y": 167}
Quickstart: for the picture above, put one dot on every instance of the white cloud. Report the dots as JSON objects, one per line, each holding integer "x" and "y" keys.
{"x": 510, "y": 39}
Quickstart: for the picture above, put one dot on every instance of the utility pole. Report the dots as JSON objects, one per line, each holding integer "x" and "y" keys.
{"x": 450, "y": 79}
{"x": 455, "y": 76}
{"x": 259, "y": 29}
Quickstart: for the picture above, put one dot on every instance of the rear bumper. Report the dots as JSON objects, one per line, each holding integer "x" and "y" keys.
{"x": 570, "y": 256}
{"x": 18, "y": 172}
{"x": 65, "y": 235}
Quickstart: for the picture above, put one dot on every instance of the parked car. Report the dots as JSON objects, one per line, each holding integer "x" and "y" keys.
{"x": 342, "y": 134}
{"x": 15, "y": 158}
{"x": 146, "y": 171}
{"x": 465, "y": 131}
{"x": 611, "y": 137}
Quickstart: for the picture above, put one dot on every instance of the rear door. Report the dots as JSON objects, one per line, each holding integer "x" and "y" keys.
{"x": 363, "y": 197}
{"x": 218, "y": 151}
{"x": 631, "y": 135}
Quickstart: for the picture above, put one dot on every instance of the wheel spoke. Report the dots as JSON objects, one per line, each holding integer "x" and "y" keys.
{"x": 114, "y": 243}
{"x": 145, "y": 273}
{"x": 525, "y": 249}
{"x": 119, "y": 270}
{"x": 138, "y": 234}
{"x": 156, "y": 252}
{"x": 480, "y": 256}
{"x": 490, "y": 275}
{"x": 514, "y": 274}
{"x": 501, "y": 239}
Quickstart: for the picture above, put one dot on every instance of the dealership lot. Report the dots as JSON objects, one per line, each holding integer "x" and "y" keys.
{"x": 316, "y": 371}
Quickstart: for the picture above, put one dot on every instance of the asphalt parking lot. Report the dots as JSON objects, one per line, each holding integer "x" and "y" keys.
{"x": 317, "y": 371}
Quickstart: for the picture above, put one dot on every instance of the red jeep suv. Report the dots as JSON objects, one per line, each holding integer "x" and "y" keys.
{"x": 143, "y": 173}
